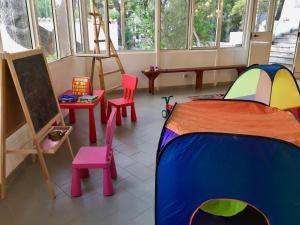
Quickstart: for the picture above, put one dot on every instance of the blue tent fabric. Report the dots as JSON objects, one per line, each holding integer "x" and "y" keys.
{"x": 167, "y": 137}
{"x": 197, "y": 167}
{"x": 270, "y": 69}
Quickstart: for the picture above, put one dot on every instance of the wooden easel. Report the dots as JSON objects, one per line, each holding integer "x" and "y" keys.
{"x": 12, "y": 99}
{"x": 98, "y": 24}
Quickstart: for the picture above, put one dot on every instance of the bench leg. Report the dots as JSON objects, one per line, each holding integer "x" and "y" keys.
{"x": 151, "y": 86}
{"x": 199, "y": 79}
{"x": 151, "y": 78}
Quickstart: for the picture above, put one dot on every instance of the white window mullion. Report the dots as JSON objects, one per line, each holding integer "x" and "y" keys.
{"x": 248, "y": 22}
{"x": 33, "y": 24}
{"x": 191, "y": 24}
{"x": 69, "y": 25}
{"x": 157, "y": 32}
{"x": 84, "y": 26}
{"x": 122, "y": 12}
{"x": 71, "y": 20}
{"x": 219, "y": 22}
{"x": 1, "y": 45}
{"x": 55, "y": 29}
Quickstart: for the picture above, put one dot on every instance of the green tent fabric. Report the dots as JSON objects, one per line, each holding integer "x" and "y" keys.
{"x": 226, "y": 208}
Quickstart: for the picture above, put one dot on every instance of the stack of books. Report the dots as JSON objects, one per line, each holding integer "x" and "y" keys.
{"x": 67, "y": 98}
{"x": 88, "y": 98}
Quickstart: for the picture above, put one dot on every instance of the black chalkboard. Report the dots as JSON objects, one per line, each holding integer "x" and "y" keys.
{"x": 37, "y": 89}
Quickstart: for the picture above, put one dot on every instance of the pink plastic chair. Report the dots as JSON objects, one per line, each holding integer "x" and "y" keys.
{"x": 129, "y": 84}
{"x": 96, "y": 157}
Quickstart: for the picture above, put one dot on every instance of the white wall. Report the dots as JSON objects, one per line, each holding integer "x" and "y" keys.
{"x": 135, "y": 62}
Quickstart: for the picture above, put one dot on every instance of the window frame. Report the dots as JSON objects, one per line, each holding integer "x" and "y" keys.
{"x": 220, "y": 13}
{"x": 30, "y": 25}
{"x": 85, "y": 31}
{"x": 157, "y": 35}
{"x": 33, "y": 23}
{"x": 35, "y": 20}
{"x": 56, "y": 29}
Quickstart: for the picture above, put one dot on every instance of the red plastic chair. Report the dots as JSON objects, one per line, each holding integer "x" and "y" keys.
{"x": 96, "y": 157}
{"x": 129, "y": 84}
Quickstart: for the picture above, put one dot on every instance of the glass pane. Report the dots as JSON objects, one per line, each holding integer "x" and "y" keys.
{"x": 46, "y": 29}
{"x": 91, "y": 34}
{"x": 205, "y": 23}
{"x": 77, "y": 26}
{"x": 90, "y": 21}
{"x": 233, "y": 23}
{"x": 174, "y": 24}
{"x": 261, "y": 16}
{"x": 139, "y": 24}
{"x": 285, "y": 33}
{"x": 115, "y": 23}
{"x": 14, "y": 26}
{"x": 62, "y": 28}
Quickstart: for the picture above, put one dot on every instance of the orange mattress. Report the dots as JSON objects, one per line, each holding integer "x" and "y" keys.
{"x": 234, "y": 117}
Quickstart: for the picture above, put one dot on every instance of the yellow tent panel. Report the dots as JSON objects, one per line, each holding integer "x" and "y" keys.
{"x": 285, "y": 92}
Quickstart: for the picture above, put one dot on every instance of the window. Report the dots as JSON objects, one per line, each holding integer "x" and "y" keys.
{"x": 46, "y": 29}
{"x": 115, "y": 23}
{"x": 205, "y": 23}
{"x": 174, "y": 24}
{"x": 77, "y": 26}
{"x": 261, "y": 15}
{"x": 139, "y": 24}
{"x": 14, "y": 26}
{"x": 233, "y": 23}
{"x": 90, "y": 21}
{"x": 62, "y": 28}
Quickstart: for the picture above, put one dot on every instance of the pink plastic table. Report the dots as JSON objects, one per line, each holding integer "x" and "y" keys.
{"x": 90, "y": 106}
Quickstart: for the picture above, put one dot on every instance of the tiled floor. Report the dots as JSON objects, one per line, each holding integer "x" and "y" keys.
{"x": 135, "y": 144}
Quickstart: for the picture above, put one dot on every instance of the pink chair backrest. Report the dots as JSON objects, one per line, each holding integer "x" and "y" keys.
{"x": 129, "y": 83}
{"x": 110, "y": 127}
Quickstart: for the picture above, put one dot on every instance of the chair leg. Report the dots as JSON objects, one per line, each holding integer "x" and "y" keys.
{"x": 84, "y": 173}
{"x": 108, "y": 110}
{"x": 76, "y": 185}
{"x": 124, "y": 111}
{"x": 113, "y": 168}
{"x": 107, "y": 183}
{"x": 118, "y": 117}
{"x": 133, "y": 114}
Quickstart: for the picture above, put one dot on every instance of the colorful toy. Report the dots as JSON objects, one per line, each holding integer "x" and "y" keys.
{"x": 166, "y": 112}
{"x": 67, "y": 98}
{"x": 235, "y": 151}
{"x": 81, "y": 86}
{"x": 273, "y": 85}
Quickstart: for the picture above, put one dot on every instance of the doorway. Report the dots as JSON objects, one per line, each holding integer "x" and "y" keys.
{"x": 285, "y": 33}
{"x": 275, "y": 31}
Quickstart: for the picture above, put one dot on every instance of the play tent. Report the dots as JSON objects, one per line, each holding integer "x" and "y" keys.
{"x": 273, "y": 85}
{"x": 222, "y": 149}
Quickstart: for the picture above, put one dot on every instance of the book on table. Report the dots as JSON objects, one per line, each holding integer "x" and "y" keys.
{"x": 88, "y": 98}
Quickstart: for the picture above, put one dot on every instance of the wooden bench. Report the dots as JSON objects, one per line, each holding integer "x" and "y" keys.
{"x": 153, "y": 74}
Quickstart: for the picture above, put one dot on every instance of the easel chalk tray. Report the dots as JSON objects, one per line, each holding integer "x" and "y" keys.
{"x": 25, "y": 77}
{"x": 50, "y": 145}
